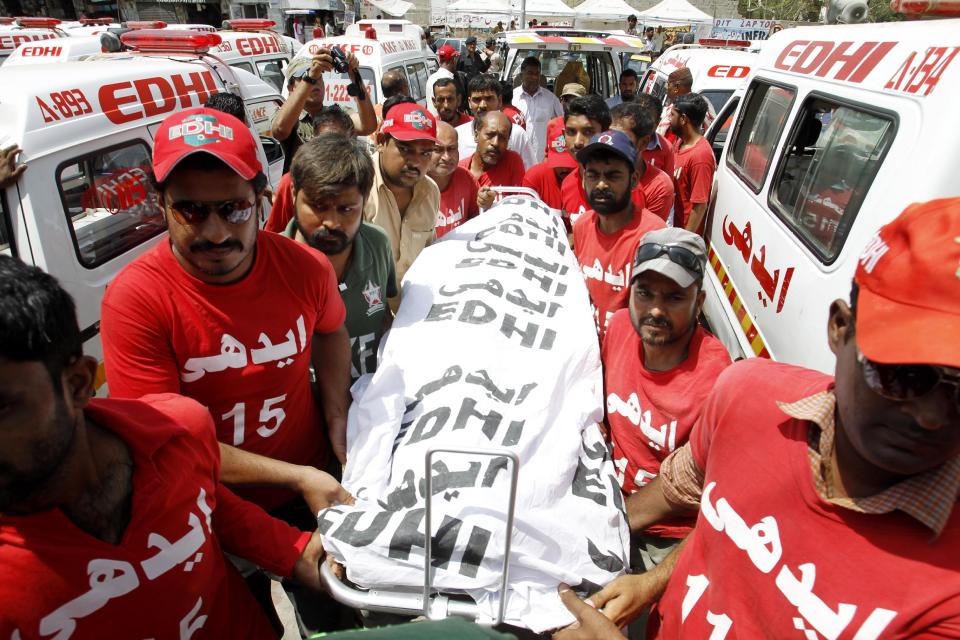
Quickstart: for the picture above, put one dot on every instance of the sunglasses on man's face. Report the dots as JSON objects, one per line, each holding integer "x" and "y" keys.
{"x": 194, "y": 213}
{"x": 902, "y": 382}
{"x": 679, "y": 255}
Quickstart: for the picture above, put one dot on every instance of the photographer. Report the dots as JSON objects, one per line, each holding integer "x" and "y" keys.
{"x": 293, "y": 123}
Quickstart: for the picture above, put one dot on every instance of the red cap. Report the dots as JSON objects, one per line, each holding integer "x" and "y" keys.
{"x": 408, "y": 121}
{"x": 561, "y": 159}
{"x": 446, "y": 52}
{"x": 908, "y": 308}
{"x": 203, "y": 130}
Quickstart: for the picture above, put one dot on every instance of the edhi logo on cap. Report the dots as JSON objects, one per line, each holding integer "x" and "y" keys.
{"x": 418, "y": 119}
{"x": 198, "y": 130}
{"x": 605, "y": 139}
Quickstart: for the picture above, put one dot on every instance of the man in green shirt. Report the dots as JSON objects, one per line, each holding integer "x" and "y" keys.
{"x": 332, "y": 177}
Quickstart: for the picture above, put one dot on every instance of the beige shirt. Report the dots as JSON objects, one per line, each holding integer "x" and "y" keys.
{"x": 413, "y": 231}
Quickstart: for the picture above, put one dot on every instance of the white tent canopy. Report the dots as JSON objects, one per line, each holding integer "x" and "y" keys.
{"x": 673, "y": 12}
{"x": 486, "y": 13}
{"x": 394, "y": 8}
{"x": 604, "y": 10}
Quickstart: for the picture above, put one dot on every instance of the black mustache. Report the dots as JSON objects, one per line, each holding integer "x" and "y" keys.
{"x": 657, "y": 322}
{"x": 206, "y": 245}
{"x": 598, "y": 193}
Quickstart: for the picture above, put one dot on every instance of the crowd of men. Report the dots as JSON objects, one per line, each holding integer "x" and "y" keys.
{"x": 229, "y": 352}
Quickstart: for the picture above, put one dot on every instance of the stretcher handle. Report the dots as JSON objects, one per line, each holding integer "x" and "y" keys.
{"x": 524, "y": 191}
{"x": 428, "y": 542}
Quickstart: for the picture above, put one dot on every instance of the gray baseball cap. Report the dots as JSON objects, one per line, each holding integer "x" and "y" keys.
{"x": 685, "y": 265}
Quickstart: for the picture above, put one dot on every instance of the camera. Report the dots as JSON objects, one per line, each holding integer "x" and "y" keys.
{"x": 339, "y": 60}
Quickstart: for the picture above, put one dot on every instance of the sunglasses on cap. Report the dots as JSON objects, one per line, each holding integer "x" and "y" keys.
{"x": 230, "y": 211}
{"x": 902, "y": 382}
{"x": 678, "y": 255}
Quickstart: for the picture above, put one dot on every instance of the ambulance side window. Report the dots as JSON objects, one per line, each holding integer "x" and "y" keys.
{"x": 755, "y": 137}
{"x": 6, "y": 230}
{"x": 272, "y": 71}
{"x": 246, "y": 66}
{"x": 417, "y": 84}
{"x": 834, "y": 153}
{"x": 109, "y": 202}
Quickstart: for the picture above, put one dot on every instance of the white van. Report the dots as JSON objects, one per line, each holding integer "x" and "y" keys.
{"x": 249, "y": 44}
{"x": 88, "y": 27}
{"x": 839, "y": 129}
{"x": 377, "y": 56}
{"x": 84, "y": 207}
{"x": 14, "y": 32}
{"x": 61, "y": 50}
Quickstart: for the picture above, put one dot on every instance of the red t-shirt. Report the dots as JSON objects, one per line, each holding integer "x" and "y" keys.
{"x": 281, "y": 212}
{"x": 662, "y": 157}
{"x": 769, "y": 558}
{"x": 607, "y": 260}
{"x": 168, "y": 577}
{"x": 543, "y": 179}
{"x": 574, "y": 197}
{"x": 694, "y": 171}
{"x": 458, "y": 203}
{"x": 556, "y": 141}
{"x": 506, "y": 173}
{"x": 462, "y": 118}
{"x": 658, "y": 192}
{"x": 515, "y": 115}
{"x": 242, "y": 350}
{"x": 650, "y": 413}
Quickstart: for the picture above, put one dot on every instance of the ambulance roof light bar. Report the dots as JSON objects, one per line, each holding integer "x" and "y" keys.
{"x": 145, "y": 24}
{"x": 161, "y": 41}
{"x": 92, "y": 22}
{"x": 7, "y": 20}
{"x": 248, "y": 24}
{"x": 926, "y": 7}
{"x": 38, "y": 23}
{"x": 720, "y": 42}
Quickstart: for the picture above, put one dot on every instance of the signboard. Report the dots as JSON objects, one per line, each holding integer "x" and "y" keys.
{"x": 741, "y": 29}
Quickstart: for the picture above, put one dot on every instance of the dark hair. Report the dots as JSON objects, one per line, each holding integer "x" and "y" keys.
{"x": 483, "y": 82}
{"x": 333, "y": 115}
{"x": 628, "y": 73}
{"x": 506, "y": 92}
{"x": 650, "y": 102}
{"x": 642, "y": 122}
{"x": 209, "y": 163}
{"x": 229, "y": 103}
{"x": 692, "y": 105}
{"x": 392, "y": 83}
{"x": 631, "y": 18}
{"x": 592, "y": 107}
{"x": 529, "y": 61}
{"x": 332, "y": 160}
{"x": 38, "y": 319}
{"x": 446, "y": 82}
{"x": 390, "y": 103}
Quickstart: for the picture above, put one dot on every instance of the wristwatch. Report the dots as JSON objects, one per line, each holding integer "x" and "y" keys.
{"x": 355, "y": 88}
{"x": 306, "y": 78}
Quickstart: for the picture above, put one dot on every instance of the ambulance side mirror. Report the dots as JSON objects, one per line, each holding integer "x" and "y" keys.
{"x": 272, "y": 149}
{"x": 110, "y": 42}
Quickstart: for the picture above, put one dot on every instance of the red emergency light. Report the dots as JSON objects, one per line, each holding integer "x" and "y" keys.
{"x": 926, "y": 7}
{"x": 145, "y": 24}
{"x": 7, "y": 20}
{"x": 93, "y": 22}
{"x": 248, "y": 24}
{"x": 370, "y": 33}
{"x": 720, "y": 42}
{"x": 38, "y": 23}
{"x": 173, "y": 41}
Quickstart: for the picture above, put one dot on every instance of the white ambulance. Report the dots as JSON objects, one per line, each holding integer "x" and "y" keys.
{"x": 378, "y": 53}
{"x": 60, "y": 50}
{"x": 14, "y": 32}
{"x": 88, "y": 27}
{"x": 840, "y": 128}
{"x": 84, "y": 208}
{"x": 718, "y": 68}
{"x": 249, "y": 44}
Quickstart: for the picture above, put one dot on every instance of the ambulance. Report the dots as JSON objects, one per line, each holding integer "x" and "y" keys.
{"x": 718, "y": 68}
{"x": 378, "y": 53}
{"x": 88, "y": 27}
{"x": 839, "y": 129}
{"x": 85, "y": 208}
{"x": 593, "y": 59}
{"x": 60, "y": 50}
{"x": 249, "y": 44}
{"x": 14, "y": 32}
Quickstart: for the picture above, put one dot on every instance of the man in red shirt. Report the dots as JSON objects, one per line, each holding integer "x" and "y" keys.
{"x": 659, "y": 151}
{"x": 113, "y": 521}
{"x": 659, "y": 365}
{"x": 695, "y": 162}
{"x": 458, "y": 189}
{"x": 655, "y": 185}
{"x": 492, "y": 164}
{"x": 447, "y": 100}
{"x": 604, "y": 238}
{"x": 232, "y": 317}
{"x": 556, "y": 140}
{"x": 827, "y": 505}
{"x": 506, "y": 98}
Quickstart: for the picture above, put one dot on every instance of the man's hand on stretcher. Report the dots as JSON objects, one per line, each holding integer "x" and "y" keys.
{"x": 320, "y": 490}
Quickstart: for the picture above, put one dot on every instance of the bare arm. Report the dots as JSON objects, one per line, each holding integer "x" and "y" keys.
{"x": 365, "y": 119}
{"x": 331, "y": 362}
{"x": 696, "y": 216}
{"x": 243, "y": 468}
{"x": 287, "y": 116}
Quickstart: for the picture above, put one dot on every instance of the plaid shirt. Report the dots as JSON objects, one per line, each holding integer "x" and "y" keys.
{"x": 928, "y": 497}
